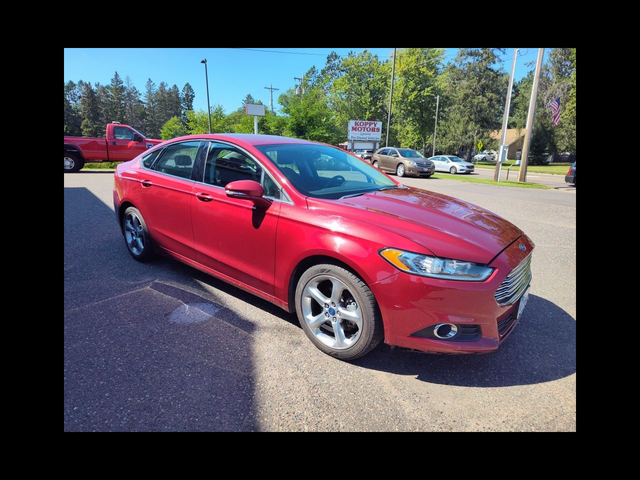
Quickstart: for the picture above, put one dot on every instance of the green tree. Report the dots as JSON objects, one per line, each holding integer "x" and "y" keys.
{"x": 72, "y": 114}
{"x": 198, "y": 121}
{"x": 419, "y": 81}
{"x": 173, "y": 128}
{"x": 152, "y": 121}
{"x": 361, "y": 92}
{"x": 133, "y": 106}
{"x": 308, "y": 115}
{"x": 476, "y": 88}
{"x": 92, "y": 124}
{"x": 186, "y": 101}
{"x": 114, "y": 106}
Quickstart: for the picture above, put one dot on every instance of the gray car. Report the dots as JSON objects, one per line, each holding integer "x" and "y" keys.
{"x": 451, "y": 164}
{"x": 402, "y": 161}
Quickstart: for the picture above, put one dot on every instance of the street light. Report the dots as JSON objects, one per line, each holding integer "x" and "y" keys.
{"x": 435, "y": 128}
{"x": 206, "y": 76}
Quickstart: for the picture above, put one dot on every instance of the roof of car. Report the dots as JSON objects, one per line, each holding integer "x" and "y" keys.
{"x": 248, "y": 138}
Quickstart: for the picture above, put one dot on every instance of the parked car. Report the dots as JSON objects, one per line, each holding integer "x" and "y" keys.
{"x": 364, "y": 154}
{"x": 485, "y": 157}
{"x": 570, "y": 177}
{"x": 402, "y": 161}
{"x": 451, "y": 164}
{"x": 357, "y": 256}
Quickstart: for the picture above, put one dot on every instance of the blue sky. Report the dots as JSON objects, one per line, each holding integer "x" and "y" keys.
{"x": 233, "y": 72}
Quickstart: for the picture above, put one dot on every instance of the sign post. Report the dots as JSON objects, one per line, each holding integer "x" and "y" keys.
{"x": 255, "y": 110}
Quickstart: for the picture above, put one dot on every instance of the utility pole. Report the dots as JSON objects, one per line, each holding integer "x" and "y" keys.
{"x": 435, "y": 128}
{"x": 522, "y": 174}
{"x": 502, "y": 154}
{"x": 300, "y": 89}
{"x": 393, "y": 72}
{"x": 272, "y": 89}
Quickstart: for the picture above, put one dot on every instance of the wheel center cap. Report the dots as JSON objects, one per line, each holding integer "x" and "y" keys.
{"x": 332, "y": 311}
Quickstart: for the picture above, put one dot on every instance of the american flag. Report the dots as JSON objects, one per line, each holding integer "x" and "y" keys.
{"x": 555, "y": 106}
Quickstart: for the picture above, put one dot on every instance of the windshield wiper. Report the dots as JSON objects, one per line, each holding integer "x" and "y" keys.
{"x": 354, "y": 195}
{"x": 388, "y": 188}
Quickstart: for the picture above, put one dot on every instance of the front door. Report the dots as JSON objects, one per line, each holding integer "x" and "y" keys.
{"x": 234, "y": 236}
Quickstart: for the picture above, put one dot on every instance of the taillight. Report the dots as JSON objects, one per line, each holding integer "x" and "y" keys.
{"x": 569, "y": 171}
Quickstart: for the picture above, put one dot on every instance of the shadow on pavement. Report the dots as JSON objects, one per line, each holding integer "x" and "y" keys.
{"x": 145, "y": 349}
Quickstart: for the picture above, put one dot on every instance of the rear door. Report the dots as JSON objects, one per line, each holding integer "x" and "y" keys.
{"x": 165, "y": 195}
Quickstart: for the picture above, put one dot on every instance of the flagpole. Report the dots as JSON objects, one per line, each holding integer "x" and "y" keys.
{"x": 502, "y": 154}
{"x": 522, "y": 174}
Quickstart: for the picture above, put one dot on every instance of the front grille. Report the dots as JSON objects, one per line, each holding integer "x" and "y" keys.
{"x": 514, "y": 285}
{"x": 422, "y": 164}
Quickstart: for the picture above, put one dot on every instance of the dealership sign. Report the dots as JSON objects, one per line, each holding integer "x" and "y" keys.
{"x": 364, "y": 130}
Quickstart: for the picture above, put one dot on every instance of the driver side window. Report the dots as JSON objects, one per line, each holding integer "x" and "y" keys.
{"x": 227, "y": 164}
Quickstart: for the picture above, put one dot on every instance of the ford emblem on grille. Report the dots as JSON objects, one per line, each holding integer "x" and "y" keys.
{"x": 522, "y": 247}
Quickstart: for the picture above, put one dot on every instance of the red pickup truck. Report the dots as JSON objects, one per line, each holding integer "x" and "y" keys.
{"x": 122, "y": 143}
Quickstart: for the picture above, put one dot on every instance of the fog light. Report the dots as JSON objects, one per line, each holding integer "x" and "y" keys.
{"x": 445, "y": 331}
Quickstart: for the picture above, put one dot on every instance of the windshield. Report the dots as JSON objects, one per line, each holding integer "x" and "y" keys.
{"x": 407, "y": 153}
{"x": 322, "y": 171}
{"x": 455, "y": 159}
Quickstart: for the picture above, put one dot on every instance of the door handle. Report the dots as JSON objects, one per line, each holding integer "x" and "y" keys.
{"x": 204, "y": 197}
{"x": 146, "y": 183}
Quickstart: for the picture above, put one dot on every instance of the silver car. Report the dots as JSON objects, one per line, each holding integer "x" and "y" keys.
{"x": 451, "y": 164}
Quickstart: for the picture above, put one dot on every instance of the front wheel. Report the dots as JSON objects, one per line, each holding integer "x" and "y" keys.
{"x": 136, "y": 235}
{"x": 453, "y": 170}
{"x": 72, "y": 163}
{"x": 400, "y": 170}
{"x": 375, "y": 164}
{"x": 338, "y": 312}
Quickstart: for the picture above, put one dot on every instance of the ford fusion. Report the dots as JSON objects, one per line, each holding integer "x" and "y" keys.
{"x": 360, "y": 258}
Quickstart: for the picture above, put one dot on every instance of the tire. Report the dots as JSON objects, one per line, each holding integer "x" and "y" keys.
{"x": 400, "y": 170}
{"x": 136, "y": 235}
{"x": 375, "y": 164}
{"x": 453, "y": 170}
{"x": 427, "y": 176}
{"x": 72, "y": 163}
{"x": 338, "y": 312}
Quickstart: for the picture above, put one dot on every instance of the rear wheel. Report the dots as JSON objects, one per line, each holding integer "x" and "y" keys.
{"x": 338, "y": 312}
{"x": 72, "y": 163}
{"x": 375, "y": 164}
{"x": 136, "y": 235}
{"x": 400, "y": 170}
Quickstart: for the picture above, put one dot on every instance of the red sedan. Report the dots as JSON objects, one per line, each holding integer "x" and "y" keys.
{"x": 316, "y": 230}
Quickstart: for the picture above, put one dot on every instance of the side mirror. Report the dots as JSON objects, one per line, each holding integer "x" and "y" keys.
{"x": 249, "y": 190}
{"x": 137, "y": 138}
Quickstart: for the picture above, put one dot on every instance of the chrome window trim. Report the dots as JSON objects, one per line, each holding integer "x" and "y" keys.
{"x": 286, "y": 200}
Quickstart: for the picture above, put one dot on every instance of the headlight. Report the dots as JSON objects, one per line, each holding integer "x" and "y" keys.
{"x": 435, "y": 267}
{"x": 413, "y": 164}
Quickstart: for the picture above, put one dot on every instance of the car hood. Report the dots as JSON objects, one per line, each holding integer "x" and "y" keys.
{"x": 445, "y": 226}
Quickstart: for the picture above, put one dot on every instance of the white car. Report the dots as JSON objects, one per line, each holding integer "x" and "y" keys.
{"x": 451, "y": 164}
{"x": 485, "y": 157}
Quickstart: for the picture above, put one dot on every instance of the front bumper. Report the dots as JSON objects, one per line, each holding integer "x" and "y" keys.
{"x": 419, "y": 171}
{"x": 412, "y": 306}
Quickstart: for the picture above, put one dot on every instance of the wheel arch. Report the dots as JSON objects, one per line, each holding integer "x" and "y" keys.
{"x": 308, "y": 262}
{"x": 71, "y": 148}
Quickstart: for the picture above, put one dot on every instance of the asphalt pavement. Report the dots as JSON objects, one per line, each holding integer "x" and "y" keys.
{"x": 164, "y": 347}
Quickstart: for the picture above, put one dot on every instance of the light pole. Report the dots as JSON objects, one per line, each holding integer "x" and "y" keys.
{"x": 435, "y": 128}
{"x": 206, "y": 76}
